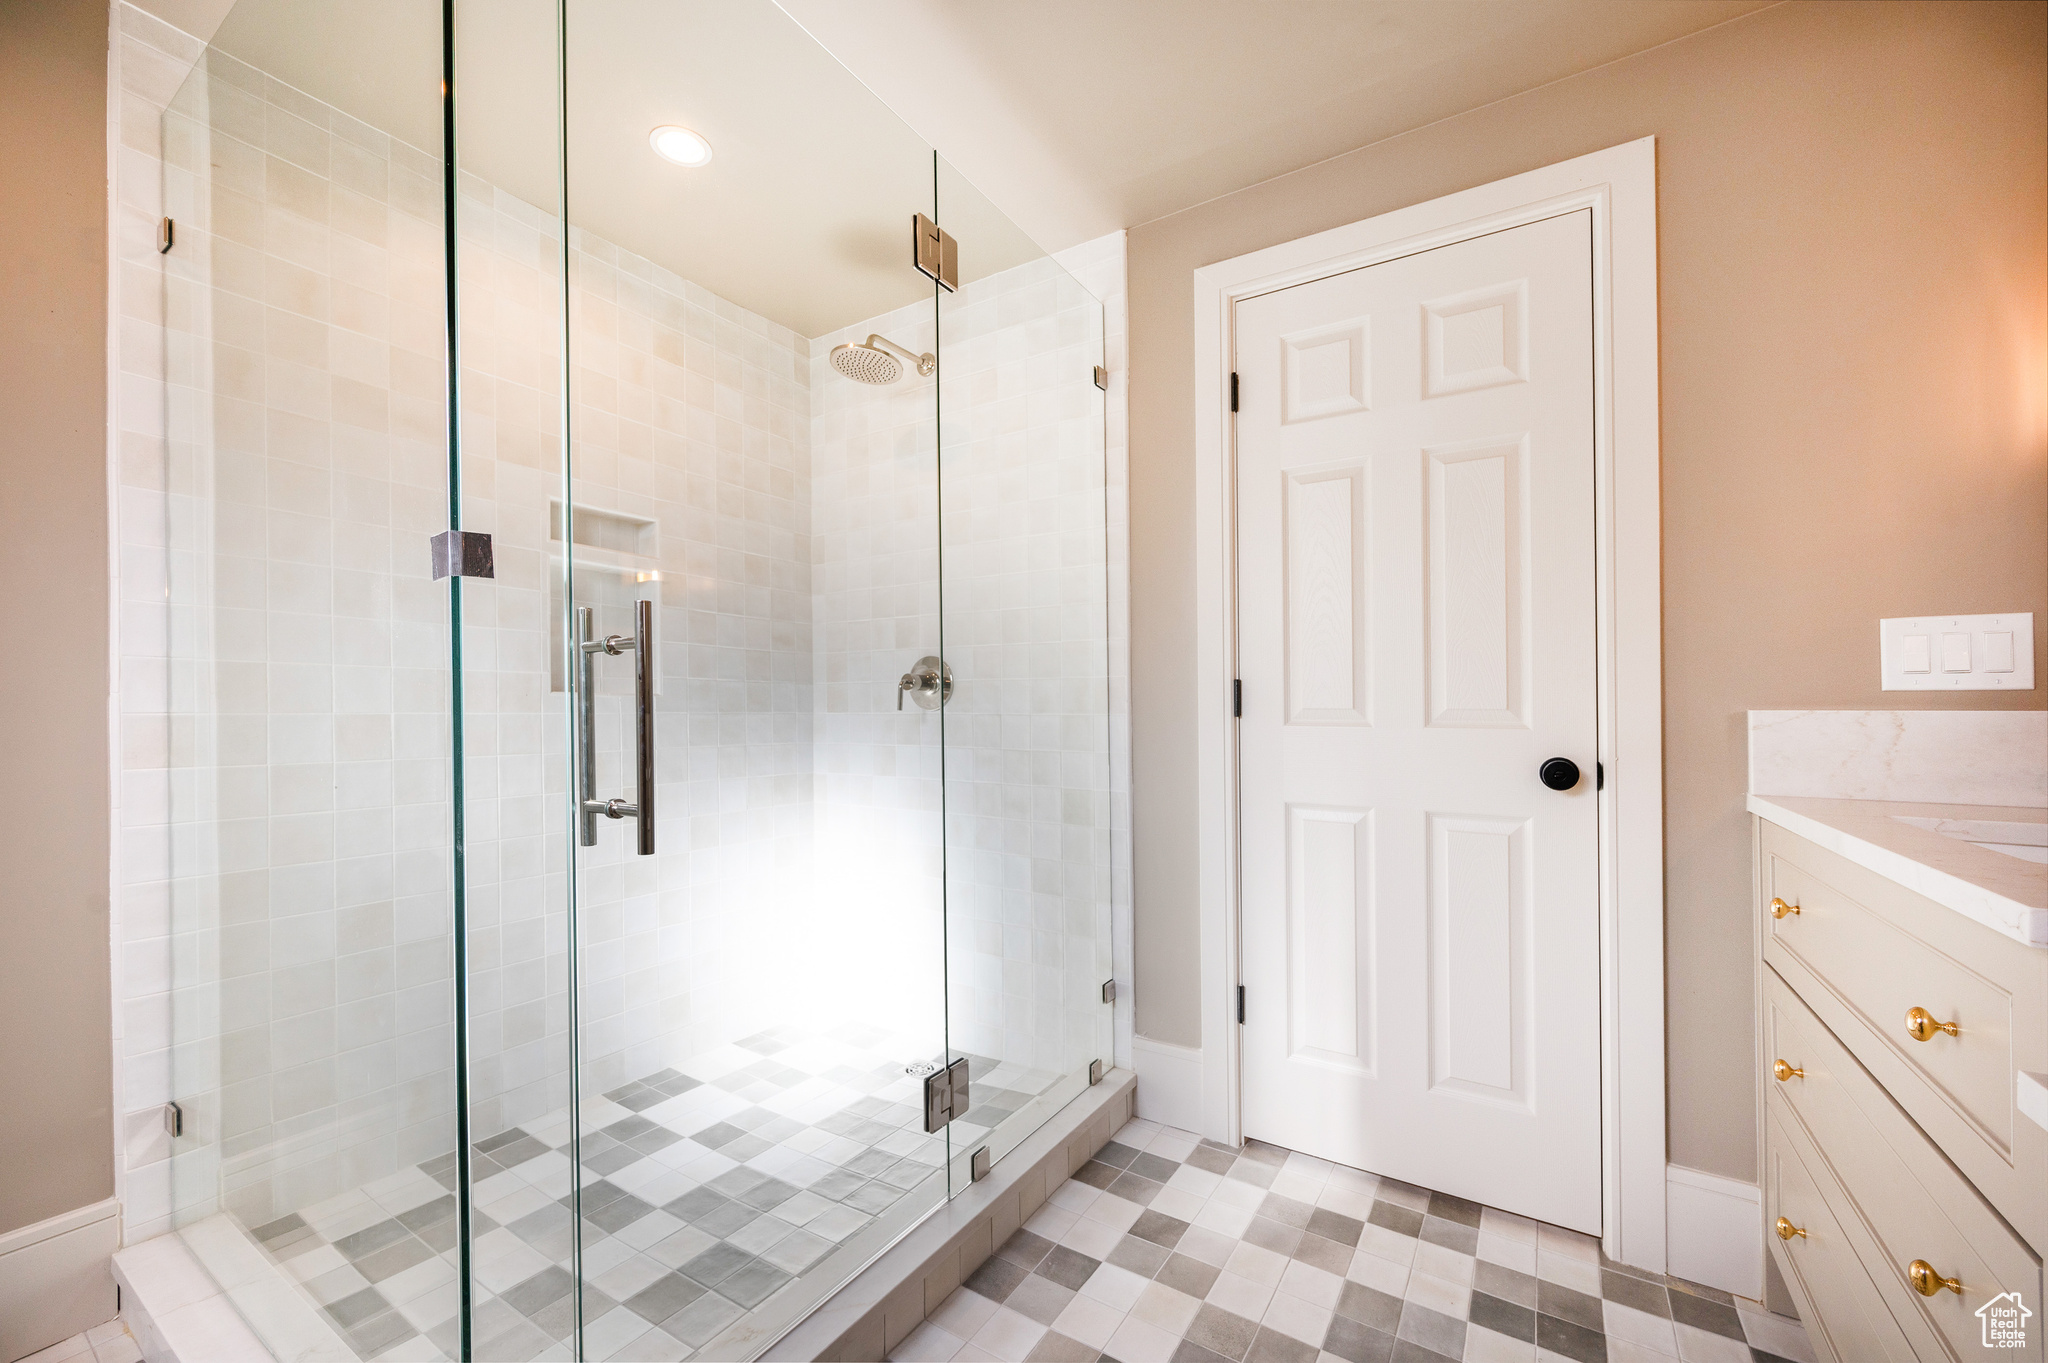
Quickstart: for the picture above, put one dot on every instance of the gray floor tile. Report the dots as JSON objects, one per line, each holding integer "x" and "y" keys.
{"x": 1222, "y": 1332}
{"x": 1357, "y": 1343}
{"x": 1570, "y": 1340}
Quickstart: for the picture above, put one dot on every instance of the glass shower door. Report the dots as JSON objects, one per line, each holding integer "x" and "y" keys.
{"x": 760, "y": 986}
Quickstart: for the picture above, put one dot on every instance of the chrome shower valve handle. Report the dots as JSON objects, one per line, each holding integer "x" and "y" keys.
{"x": 929, "y": 683}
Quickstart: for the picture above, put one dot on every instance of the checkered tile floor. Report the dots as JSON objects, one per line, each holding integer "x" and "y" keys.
{"x": 1171, "y": 1249}
{"x": 706, "y": 1190}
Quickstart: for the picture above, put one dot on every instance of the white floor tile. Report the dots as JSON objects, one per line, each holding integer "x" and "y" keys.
{"x": 1008, "y": 1335}
{"x": 1702, "y": 1346}
{"x": 1090, "y": 1321}
{"x": 1313, "y": 1285}
{"x": 1113, "y": 1286}
{"x": 1485, "y": 1346}
{"x": 1296, "y": 1318}
{"x": 1137, "y": 1342}
{"x": 1777, "y": 1335}
{"x": 963, "y": 1313}
{"x": 1241, "y": 1296}
{"x": 1639, "y": 1327}
{"x": 927, "y": 1344}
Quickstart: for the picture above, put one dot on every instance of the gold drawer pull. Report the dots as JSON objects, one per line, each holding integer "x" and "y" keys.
{"x": 1927, "y": 1282}
{"x": 1786, "y": 1230}
{"x": 1779, "y": 908}
{"x": 1920, "y": 1025}
{"x": 1785, "y": 1070}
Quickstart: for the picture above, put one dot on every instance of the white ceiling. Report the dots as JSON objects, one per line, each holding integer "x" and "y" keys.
{"x": 1083, "y": 116}
{"x": 1078, "y": 117}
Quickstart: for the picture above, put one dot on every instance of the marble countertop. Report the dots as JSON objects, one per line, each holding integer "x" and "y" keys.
{"x": 1901, "y": 841}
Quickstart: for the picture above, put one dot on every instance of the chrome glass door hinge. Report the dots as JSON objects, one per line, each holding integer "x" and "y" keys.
{"x": 462, "y": 553}
{"x": 1109, "y": 991}
{"x": 174, "y": 1120}
{"x": 934, "y": 253}
{"x": 945, "y": 1095}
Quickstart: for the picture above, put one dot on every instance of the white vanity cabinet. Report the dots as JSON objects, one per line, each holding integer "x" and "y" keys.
{"x": 1905, "y": 1188}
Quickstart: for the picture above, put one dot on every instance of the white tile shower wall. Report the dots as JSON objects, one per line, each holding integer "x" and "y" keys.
{"x": 875, "y": 612}
{"x": 150, "y": 61}
{"x": 1030, "y": 817}
{"x": 308, "y": 772}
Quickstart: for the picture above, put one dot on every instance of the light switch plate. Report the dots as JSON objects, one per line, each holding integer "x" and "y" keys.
{"x": 1957, "y": 653}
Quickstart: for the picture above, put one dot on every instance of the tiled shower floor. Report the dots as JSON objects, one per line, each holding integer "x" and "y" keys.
{"x": 1171, "y": 1249}
{"x": 706, "y": 1189}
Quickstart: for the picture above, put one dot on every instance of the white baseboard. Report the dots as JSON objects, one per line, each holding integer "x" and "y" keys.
{"x": 55, "y": 1279}
{"x": 1714, "y": 1231}
{"x": 1169, "y": 1082}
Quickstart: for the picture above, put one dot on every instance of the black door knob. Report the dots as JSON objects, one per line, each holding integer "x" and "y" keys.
{"x": 1559, "y": 773}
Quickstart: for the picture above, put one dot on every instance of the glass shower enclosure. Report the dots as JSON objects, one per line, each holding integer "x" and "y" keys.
{"x": 637, "y": 562}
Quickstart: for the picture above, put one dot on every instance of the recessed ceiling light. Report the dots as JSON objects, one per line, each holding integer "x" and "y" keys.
{"x": 679, "y": 145}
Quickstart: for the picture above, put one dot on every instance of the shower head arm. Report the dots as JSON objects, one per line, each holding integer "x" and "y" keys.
{"x": 926, "y": 364}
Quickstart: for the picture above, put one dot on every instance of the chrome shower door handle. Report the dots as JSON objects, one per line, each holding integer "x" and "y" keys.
{"x": 643, "y": 722}
{"x": 587, "y": 804}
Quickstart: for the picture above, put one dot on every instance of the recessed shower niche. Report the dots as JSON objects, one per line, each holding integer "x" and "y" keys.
{"x": 617, "y": 562}
{"x": 469, "y": 1086}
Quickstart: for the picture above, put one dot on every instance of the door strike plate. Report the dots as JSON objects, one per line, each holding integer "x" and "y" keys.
{"x": 977, "y": 1167}
{"x": 462, "y": 553}
{"x": 945, "y": 1095}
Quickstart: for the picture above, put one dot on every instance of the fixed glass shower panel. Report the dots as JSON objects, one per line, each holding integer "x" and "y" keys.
{"x": 305, "y": 749}
{"x": 1023, "y": 537}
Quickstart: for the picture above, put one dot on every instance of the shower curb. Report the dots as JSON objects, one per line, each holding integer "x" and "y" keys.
{"x": 874, "y": 1312}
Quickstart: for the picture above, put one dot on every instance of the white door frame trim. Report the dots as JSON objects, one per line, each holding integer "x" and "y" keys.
{"x": 1619, "y": 185}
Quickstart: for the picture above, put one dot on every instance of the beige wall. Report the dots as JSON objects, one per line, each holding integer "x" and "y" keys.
{"x": 56, "y": 1089}
{"x": 1853, "y": 220}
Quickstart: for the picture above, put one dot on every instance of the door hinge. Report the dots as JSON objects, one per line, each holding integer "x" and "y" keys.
{"x": 977, "y": 1165}
{"x": 174, "y": 1120}
{"x": 1240, "y": 1003}
{"x": 1236, "y": 698}
{"x": 935, "y": 254}
{"x": 1109, "y": 991}
{"x": 1102, "y": 378}
{"x": 1094, "y": 1072}
{"x": 462, "y": 553}
{"x": 945, "y": 1095}
{"x": 1233, "y": 390}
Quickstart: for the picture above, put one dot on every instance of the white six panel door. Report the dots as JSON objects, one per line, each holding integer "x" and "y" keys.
{"x": 1415, "y": 638}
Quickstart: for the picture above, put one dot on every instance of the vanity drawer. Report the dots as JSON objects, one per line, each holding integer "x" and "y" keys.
{"x": 1890, "y": 1191}
{"x": 1863, "y": 951}
{"x": 1845, "y": 1315}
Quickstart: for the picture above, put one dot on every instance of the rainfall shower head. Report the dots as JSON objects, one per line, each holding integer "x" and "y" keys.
{"x": 872, "y": 362}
